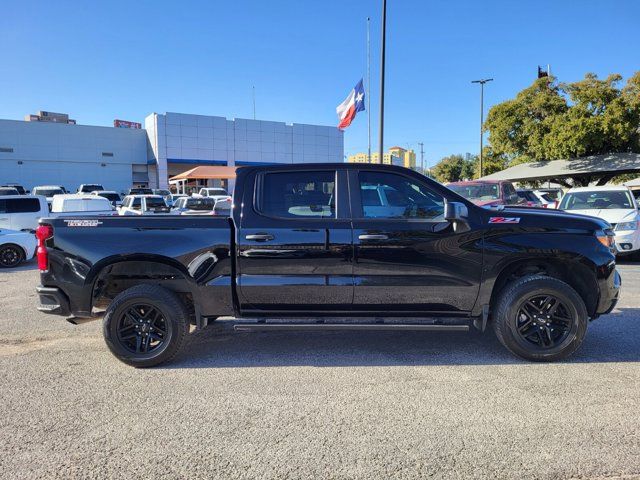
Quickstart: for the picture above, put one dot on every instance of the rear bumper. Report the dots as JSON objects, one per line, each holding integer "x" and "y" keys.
{"x": 53, "y": 301}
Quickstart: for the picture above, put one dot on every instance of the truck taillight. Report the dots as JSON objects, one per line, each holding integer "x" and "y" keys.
{"x": 43, "y": 232}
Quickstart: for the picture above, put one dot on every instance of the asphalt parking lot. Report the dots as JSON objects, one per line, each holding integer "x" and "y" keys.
{"x": 329, "y": 405}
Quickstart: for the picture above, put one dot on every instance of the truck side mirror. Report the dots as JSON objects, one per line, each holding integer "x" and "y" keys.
{"x": 455, "y": 211}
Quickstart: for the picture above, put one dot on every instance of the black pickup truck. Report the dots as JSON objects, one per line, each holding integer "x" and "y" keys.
{"x": 333, "y": 246}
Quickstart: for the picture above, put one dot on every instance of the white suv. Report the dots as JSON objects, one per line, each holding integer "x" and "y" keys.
{"x": 144, "y": 205}
{"x": 22, "y": 212}
{"x": 615, "y": 204}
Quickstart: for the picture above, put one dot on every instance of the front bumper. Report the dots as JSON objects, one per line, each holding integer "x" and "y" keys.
{"x": 609, "y": 293}
{"x": 53, "y": 301}
{"x": 627, "y": 241}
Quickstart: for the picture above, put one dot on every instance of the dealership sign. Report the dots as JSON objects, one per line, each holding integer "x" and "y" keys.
{"x": 126, "y": 124}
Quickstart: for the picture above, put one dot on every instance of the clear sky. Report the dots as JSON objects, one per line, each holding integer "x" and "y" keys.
{"x": 125, "y": 59}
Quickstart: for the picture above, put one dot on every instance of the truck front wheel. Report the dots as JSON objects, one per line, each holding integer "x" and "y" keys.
{"x": 145, "y": 325}
{"x": 540, "y": 318}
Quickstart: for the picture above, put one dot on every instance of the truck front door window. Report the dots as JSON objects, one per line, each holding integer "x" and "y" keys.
{"x": 388, "y": 195}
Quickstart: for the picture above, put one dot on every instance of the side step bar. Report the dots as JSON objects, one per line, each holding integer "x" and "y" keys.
{"x": 252, "y": 327}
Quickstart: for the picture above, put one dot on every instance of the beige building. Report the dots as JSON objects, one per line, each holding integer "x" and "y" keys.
{"x": 395, "y": 156}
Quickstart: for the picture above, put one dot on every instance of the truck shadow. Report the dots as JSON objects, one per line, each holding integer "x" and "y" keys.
{"x": 612, "y": 338}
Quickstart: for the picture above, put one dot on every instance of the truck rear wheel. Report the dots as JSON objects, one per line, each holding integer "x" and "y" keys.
{"x": 540, "y": 318}
{"x": 145, "y": 325}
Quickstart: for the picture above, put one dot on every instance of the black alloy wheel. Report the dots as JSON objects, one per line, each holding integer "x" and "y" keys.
{"x": 540, "y": 318}
{"x": 544, "y": 321}
{"x": 142, "y": 329}
{"x": 146, "y": 325}
{"x": 10, "y": 256}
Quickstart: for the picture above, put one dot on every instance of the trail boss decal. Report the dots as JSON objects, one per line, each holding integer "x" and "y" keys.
{"x": 83, "y": 223}
{"x": 504, "y": 219}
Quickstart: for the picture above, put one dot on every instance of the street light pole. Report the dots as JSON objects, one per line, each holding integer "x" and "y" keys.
{"x": 382, "y": 56}
{"x": 481, "y": 82}
{"x": 368, "y": 92}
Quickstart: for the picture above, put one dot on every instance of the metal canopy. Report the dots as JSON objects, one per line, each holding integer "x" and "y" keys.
{"x": 584, "y": 169}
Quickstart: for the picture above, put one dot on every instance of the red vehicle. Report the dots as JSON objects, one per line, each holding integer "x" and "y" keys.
{"x": 487, "y": 193}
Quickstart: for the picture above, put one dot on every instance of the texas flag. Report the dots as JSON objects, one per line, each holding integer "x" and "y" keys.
{"x": 353, "y": 104}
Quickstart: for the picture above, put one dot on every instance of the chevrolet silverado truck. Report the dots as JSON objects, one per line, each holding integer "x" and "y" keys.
{"x": 332, "y": 247}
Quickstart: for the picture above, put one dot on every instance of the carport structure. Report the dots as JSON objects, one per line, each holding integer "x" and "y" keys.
{"x": 204, "y": 176}
{"x": 582, "y": 171}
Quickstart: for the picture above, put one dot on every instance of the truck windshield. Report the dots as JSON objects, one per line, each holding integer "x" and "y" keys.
{"x": 155, "y": 203}
{"x": 477, "y": 191}
{"x": 90, "y": 187}
{"x": 112, "y": 197}
{"x": 201, "y": 204}
{"x": 598, "y": 200}
{"x": 48, "y": 192}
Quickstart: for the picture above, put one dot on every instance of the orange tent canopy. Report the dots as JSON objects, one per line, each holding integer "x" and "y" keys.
{"x": 207, "y": 172}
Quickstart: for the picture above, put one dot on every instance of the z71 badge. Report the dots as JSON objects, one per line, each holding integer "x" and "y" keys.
{"x": 504, "y": 219}
{"x": 83, "y": 223}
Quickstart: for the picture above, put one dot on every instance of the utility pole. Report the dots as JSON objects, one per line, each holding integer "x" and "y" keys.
{"x": 422, "y": 157}
{"x": 254, "y": 101}
{"x": 368, "y": 90}
{"x": 482, "y": 82}
{"x": 382, "y": 58}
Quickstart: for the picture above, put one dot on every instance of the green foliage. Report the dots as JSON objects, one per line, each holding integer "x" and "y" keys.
{"x": 549, "y": 121}
{"x": 449, "y": 169}
{"x": 456, "y": 167}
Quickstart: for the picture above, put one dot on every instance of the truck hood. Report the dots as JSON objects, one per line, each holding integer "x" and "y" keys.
{"x": 539, "y": 216}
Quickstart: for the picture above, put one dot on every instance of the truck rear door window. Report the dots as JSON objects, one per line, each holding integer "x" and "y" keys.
{"x": 22, "y": 205}
{"x": 299, "y": 194}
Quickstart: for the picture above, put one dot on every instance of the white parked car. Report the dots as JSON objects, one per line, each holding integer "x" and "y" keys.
{"x": 201, "y": 206}
{"x": 6, "y": 191}
{"x": 615, "y": 204}
{"x": 16, "y": 247}
{"x": 216, "y": 193}
{"x": 89, "y": 187}
{"x": 80, "y": 205}
{"x": 112, "y": 196}
{"x": 144, "y": 205}
{"x": 48, "y": 191}
{"x": 165, "y": 194}
{"x": 175, "y": 197}
{"x": 22, "y": 212}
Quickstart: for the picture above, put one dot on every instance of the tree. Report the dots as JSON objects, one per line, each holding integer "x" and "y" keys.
{"x": 551, "y": 120}
{"x": 449, "y": 169}
{"x": 456, "y": 167}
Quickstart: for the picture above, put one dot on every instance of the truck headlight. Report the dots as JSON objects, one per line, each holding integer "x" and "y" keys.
{"x": 627, "y": 225}
{"x": 606, "y": 238}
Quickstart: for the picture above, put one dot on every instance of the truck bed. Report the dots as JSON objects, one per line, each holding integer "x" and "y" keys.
{"x": 196, "y": 248}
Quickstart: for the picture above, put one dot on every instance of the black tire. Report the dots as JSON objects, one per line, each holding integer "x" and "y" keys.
{"x": 548, "y": 337}
{"x": 11, "y": 255}
{"x": 145, "y": 325}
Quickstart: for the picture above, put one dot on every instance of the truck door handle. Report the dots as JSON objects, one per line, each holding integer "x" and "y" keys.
{"x": 259, "y": 237}
{"x": 373, "y": 237}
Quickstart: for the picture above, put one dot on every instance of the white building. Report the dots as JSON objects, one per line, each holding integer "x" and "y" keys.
{"x": 178, "y": 142}
{"x": 48, "y": 153}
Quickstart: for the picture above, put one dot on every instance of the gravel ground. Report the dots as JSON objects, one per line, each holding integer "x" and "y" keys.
{"x": 322, "y": 405}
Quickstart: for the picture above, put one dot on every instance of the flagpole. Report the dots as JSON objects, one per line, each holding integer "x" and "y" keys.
{"x": 382, "y": 57}
{"x": 368, "y": 91}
